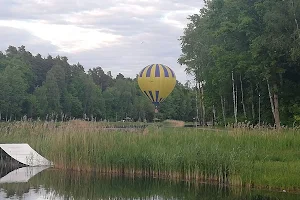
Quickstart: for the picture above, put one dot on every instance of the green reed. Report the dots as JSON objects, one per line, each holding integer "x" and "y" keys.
{"x": 259, "y": 158}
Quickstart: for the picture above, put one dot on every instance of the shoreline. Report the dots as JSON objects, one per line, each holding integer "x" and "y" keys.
{"x": 262, "y": 159}
{"x": 176, "y": 177}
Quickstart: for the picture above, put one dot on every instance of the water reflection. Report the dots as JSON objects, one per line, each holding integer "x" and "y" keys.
{"x": 58, "y": 185}
{"x": 20, "y": 175}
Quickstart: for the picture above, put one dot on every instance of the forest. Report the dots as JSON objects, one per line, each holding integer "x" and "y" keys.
{"x": 33, "y": 87}
{"x": 245, "y": 55}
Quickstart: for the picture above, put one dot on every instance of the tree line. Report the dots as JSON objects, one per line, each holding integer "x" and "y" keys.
{"x": 245, "y": 57}
{"x": 50, "y": 88}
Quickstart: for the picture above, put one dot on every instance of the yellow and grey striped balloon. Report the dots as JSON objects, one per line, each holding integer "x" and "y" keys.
{"x": 157, "y": 81}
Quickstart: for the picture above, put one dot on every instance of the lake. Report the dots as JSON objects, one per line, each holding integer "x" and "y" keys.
{"x": 41, "y": 183}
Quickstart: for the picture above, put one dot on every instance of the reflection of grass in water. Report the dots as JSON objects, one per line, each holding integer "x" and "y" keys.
{"x": 89, "y": 186}
{"x": 14, "y": 189}
{"x": 260, "y": 158}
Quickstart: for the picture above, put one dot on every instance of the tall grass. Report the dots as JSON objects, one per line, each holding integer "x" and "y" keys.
{"x": 261, "y": 158}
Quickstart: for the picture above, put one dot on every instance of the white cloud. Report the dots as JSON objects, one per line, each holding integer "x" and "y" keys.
{"x": 118, "y": 35}
{"x": 122, "y": 9}
{"x": 178, "y": 18}
{"x": 68, "y": 38}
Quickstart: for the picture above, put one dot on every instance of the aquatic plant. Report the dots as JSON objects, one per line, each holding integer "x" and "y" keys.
{"x": 259, "y": 158}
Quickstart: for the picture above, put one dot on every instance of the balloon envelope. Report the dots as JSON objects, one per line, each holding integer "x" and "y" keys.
{"x": 157, "y": 81}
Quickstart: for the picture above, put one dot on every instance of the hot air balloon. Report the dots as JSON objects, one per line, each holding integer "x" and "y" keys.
{"x": 157, "y": 81}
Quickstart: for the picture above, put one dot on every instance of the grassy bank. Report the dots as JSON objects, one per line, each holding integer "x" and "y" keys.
{"x": 261, "y": 159}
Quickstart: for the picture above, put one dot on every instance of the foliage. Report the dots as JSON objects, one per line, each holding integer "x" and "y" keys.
{"x": 52, "y": 89}
{"x": 248, "y": 54}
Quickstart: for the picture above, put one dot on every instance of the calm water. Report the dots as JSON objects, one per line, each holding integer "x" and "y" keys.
{"x": 39, "y": 184}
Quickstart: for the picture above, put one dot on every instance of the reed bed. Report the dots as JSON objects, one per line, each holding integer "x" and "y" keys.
{"x": 264, "y": 159}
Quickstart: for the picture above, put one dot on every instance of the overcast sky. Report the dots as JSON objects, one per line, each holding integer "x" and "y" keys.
{"x": 117, "y": 35}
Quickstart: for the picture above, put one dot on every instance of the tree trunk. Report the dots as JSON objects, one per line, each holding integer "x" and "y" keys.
{"x": 214, "y": 114}
{"x": 259, "y": 109}
{"x": 236, "y": 101}
{"x": 223, "y": 109}
{"x": 200, "y": 104}
{"x": 273, "y": 95}
{"x": 253, "y": 110}
{"x": 242, "y": 92}
{"x": 234, "y": 98}
{"x": 197, "y": 109}
{"x": 203, "y": 106}
{"x": 271, "y": 99}
{"x": 276, "y": 108}
{"x": 252, "y": 102}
